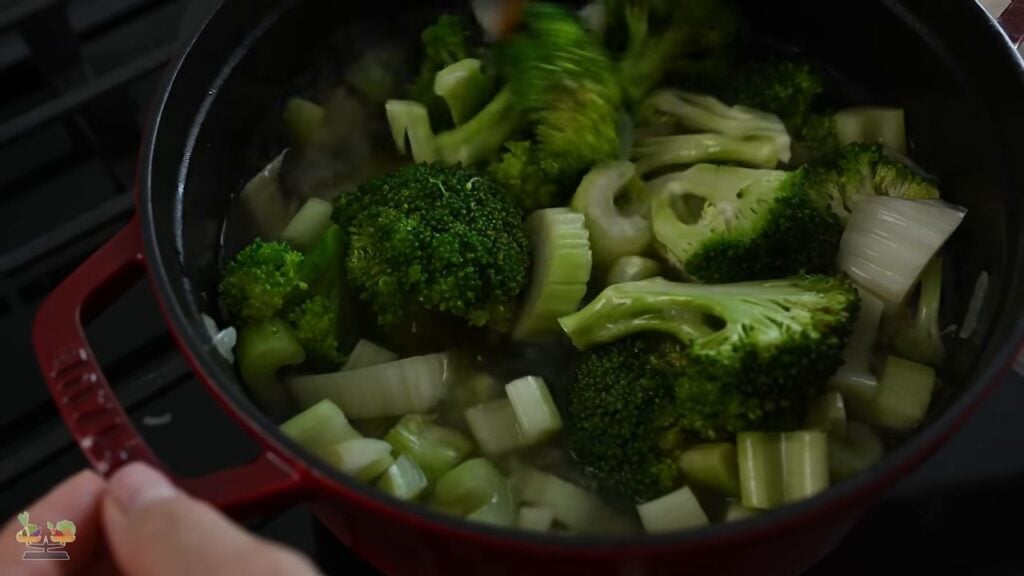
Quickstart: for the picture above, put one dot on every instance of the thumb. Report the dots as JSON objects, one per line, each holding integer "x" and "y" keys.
{"x": 154, "y": 529}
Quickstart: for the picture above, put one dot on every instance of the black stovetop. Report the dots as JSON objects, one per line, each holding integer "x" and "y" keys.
{"x": 77, "y": 76}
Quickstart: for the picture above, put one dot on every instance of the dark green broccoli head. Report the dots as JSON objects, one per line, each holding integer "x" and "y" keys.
{"x": 529, "y": 178}
{"x": 727, "y": 224}
{"x": 315, "y": 324}
{"x": 786, "y": 89}
{"x": 260, "y": 280}
{"x": 434, "y": 237}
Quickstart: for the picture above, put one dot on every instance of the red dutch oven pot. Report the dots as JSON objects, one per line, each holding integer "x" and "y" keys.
{"x": 953, "y": 68}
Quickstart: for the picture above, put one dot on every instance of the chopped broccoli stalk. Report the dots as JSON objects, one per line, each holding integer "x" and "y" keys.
{"x": 535, "y": 410}
{"x": 464, "y": 88}
{"x": 260, "y": 280}
{"x": 728, "y": 224}
{"x": 608, "y": 198}
{"x": 712, "y": 466}
{"x": 410, "y": 120}
{"x": 573, "y": 506}
{"x": 264, "y": 348}
{"x": 903, "y": 395}
{"x": 778, "y": 468}
{"x": 407, "y": 386}
{"x": 304, "y": 122}
{"x": 495, "y": 427}
{"x": 675, "y": 111}
{"x": 561, "y": 270}
{"x": 632, "y": 269}
{"x": 536, "y": 518}
{"x": 434, "y": 448}
{"x": 916, "y": 336}
{"x": 438, "y": 239}
{"x": 658, "y": 153}
{"x": 404, "y": 479}
{"x": 367, "y": 354}
{"x": 855, "y": 381}
{"x": 308, "y": 225}
{"x": 854, "y": 451}
{"x": 482, "y": 136}
{"x": 320, "y": 426}
{"x": 827, "y": 413}
{"x": 676, "y": 510}
{"x": 363, "y": 458}
{"x": 872, "y": 125}
{"x": 470, "y": 486}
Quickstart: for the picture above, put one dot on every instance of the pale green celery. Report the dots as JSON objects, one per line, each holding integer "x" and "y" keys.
{"x": 676, "y": 510}
{"x": 632, "y": 269}
{"x": 827, "y": 413}
{"x": 561, "y": 270}
{"x": 919, "y": 337}
{"x": 610, "y": 197}
{"x": 308, "y": 225}
{"x": 805, "y": 463}
{"x": 304, "y": 122}
{"x": 854, "y": 451}
{"x": 535, "y": 518}
{"x": 471, "y": 486}
{"x": 362, "y": 458}
{"x": 495, "y": 427}
{"x": 712, "y": 466}
{"x": 501, "y": 511}
{"x": 571, "y": 505}
{"x": 414, "y": 385}
{"x": 434, "y": 448}
{"x": 263, "y": 348}
{"x": 404, "y": 479}
{"x": 464, "y": 87}
{"x": 321, "y": 425}
{"x": 265, "y": 203}
{"x": 411, "y": 120}
{"x": 483, "y": 135}
{"x": 367, "y": 354}
{"x": 855, "y": 381}
{"x": 873, "y": 125}
{"x": 777, "y": 468}
{"x": 659, "y": 153}
{"x": 904, "y": 393}
{"x": 534, "y": 408}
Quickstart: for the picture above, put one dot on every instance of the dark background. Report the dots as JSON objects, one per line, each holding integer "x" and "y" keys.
{"x": 76, "y": 77}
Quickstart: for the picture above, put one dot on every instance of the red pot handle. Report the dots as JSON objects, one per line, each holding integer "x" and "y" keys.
{"x": 1012, "y": 22}
{"x": 92, "y": 411}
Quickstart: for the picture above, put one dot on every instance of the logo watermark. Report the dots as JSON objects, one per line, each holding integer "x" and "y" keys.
{"x": 40, "y": 546}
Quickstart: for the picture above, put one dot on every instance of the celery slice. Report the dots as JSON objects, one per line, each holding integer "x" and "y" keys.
{"x": 501, "y": 511}
{"x": 571, "y": 505}
{"x": 407, "y": 386}
{"x": 712, "y": 466}
{"x": 632, "y": 269}
{"x": 464, "y": 87}
{"x": 614, "y": 232}
{"x": 322, "y": 424}
{"x": 471, "y": 486}
{"x": 805, "y": 463}
{"x": 404, "y": 479}
{"x": 309, "y": 224}
{"x": 367, "y": 354}
{"x": 535, "y": 518}
{"x": 904, "y": 393}
{"x": 495, "y": 427}
{"x": 411, "y": 120}
{"x": 534, "y": 408}
{"x": 873, "y": 125}
{"x": 827, "y": 413}
{"x": 363, "y": 458}
{"x": 434, "y": 448}
{"x": 674, "y": 511}
{"x": 561, "y": 269}
{"x": 264, "y": 348}
{"x": 853, "y": 451}
{"x": 304, "y": 122}
{"x": 777, "y": 468}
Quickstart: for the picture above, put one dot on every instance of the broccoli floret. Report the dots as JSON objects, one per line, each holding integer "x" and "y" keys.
{"x": 728, "y": 224}
{"x": 434, "y": 237}
{"x": 315, "y": 325}
{"x": 729, "y": 358}
{"x": 530, "y": 178}
{"x": 259, "y": 281}
{"x": 784, "y": 88}
{"x": 817, "y": 142}
{"x": 317, "y": 320}
{"x": 444, "y": 43}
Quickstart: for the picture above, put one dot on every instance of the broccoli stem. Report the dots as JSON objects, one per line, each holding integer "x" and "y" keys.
{"x": 409, "y": 119}
{"x": 632, "y": 269}
{"x": 464, "y": 87}
{"x": 712, "y": 466}
{"x": 776, "y": 468}
{"x": 434, "y": 448}
{"x": 481, "y": 137}
{"x": 903, "y": 395}
{"x": 659, "y": 153}
{"x": 607, "y": 199}
{"x": 308, "y": 225}
{"x": 304, "y": 122}
{"x": 404, "y": 479}
{"x": 676, "y": 510}
{"x": 263, "y": 348}
{"x": 872, "y": 125}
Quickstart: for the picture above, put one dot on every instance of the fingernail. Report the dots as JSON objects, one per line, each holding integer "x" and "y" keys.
{"x": 137, "y": 485}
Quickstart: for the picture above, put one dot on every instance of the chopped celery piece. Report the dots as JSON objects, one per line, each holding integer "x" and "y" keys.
{"x": 407, "y": 386}
{"x": 471, "y": 486}
{"x": 573, "y": 506}
{"x": 367, "y": 354}
{"x": 363, "y": 458}
{"x": 854, "y": 380}
{"x": 309, "y": 224}
{"x": 483, "y": 135}
{"x": 632, "y": 269}
{"x": 534, "y": 408}
{"x": 712, "y": 466}
{"x": 889, "y": 241}
{"x": 776, "y": 468}
{"x": 404, "y": 479}
{"x": 535, "y": 518}
{"x": 659, "y": 153}
{"x": 264, "y": 348}
{"x": 853, "y": 451}
{"x": 411, "y": 120}
{"x": 495, "y": 427}
{"x": 904, "y": 392}
{"x": 674, "y": 511}
{"x": 873, "y": 125}
{"x": 561, "y": 269}
{"x": 608, "y": 199}
{"x": 304, "y": 121}
{"x": 434, "y": 448}
{"x": 464, "y": 87}
{"x": 467, "y": 387}
{"x": 737, "y": 511}
{"x": 917, "y": 335}
{"x": 498, "y": 512}
{"x": 321, "y": 425}
{"x": 827, "y": 413}
{"x": 264, "y": 201}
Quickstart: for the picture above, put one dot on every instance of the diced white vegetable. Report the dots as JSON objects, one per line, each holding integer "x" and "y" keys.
{"x": 535, "y": 410}
{"x": 404, "y": 479}
{"x": 535, "y": 518}
{"x": 573, "y": 506}
{"x": 674, "y": 511}
{"x": 495, "y": 428}
{"x": 363, "y": 458}
{"x": 319, "y": 426}
{"x": 904, "y": 393}
{"x": 367, "y": 354}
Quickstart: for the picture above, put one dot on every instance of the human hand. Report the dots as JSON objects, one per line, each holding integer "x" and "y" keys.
{"x": 138, "y": 523}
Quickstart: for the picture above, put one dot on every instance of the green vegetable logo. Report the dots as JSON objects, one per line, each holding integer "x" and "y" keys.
{"x": 45, "y": 547}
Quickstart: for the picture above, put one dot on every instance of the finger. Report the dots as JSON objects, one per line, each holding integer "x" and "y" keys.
{"x": 155, "y": 529}
{"x": 76, "y": 499}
